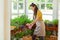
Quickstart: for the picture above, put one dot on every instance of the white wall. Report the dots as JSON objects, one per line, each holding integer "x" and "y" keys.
{"x": 1, "y": 19}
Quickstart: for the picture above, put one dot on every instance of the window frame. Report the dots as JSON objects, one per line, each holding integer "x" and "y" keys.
{"x": 25, "y": 8}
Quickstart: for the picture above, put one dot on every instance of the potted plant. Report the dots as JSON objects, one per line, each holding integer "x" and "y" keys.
{"x": 48, "y": 23}
{"x": 48, "y": 33}
{"x": 26, "y": 34}
{"x": 20, "y": 23}
{"x": 55, "y": 22}
{"x": 28, "y": 37}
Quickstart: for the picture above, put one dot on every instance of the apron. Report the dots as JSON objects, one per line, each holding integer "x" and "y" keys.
{"x": 40, "y": 28}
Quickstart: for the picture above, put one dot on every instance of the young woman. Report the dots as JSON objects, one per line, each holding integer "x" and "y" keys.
{"x": 40, "y": 27}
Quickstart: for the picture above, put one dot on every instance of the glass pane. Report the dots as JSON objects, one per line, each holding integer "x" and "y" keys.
{"x": 20, "y": 0}
{"x": 47, "y": 12}
{"x": 21, "y": 11}
{"x": 38, "y": 0}
{"x": 49, "y": 0}
{"x": 42, "y": 6}
{"x": 20, "y": 5}
{"x": 30, "y": 16}
{"x": 42, "y": 0}
{"x": 33, "y": 1}
{"x": 14, "y": 0}
{"x": 29, "y": 2}
{"x": 14, "y": 16}
{"x": 47, "y": 17}
{"x": 14, "y": 7}
{"x": 49, "y": 6}
{"x": 21, "y": 14}
{"x": 38, "y": 5}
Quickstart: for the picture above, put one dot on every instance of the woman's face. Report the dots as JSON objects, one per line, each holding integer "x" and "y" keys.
{"x": 32, "y": 8}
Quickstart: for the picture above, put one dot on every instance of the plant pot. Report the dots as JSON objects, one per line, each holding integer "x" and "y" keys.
{"x": 13, "y": 27}
{"x": 27, "y": 37}
{"x": 20, "y": 38}
{"x": 52, "y": 37}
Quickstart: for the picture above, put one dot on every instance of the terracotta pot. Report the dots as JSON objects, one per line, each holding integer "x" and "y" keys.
{"x": 52, "y": 37}
{"x": 27, "y": 38}
{"x": 13, "y": 27}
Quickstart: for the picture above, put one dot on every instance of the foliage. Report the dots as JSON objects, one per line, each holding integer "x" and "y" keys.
{"x": 55, "y": 21}
{"x": 48, "y": 23}
{"x": 18, "y": 21}
{"x": 24, "y": 33}
{"x": 48, "y": 33}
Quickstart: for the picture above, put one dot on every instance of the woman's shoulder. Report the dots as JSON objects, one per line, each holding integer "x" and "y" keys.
{"x": 39, "y": 11}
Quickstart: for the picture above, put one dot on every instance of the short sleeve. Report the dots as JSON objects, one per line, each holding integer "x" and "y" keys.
{"x": 39, "y": 14}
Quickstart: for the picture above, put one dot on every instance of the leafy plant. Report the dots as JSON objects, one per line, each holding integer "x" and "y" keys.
{"x": 23, "y": 33}
{"x": 48, "y": 33}
{"x": 19, "y": 35}
{"x": 28, "y": 32}
{"x": 22, "y": 20}
{"x": 55, "y": 21}
{"x": 48, "y": 23}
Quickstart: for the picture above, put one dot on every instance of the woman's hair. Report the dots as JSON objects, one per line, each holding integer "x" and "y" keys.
{"x": 35, "y": 10}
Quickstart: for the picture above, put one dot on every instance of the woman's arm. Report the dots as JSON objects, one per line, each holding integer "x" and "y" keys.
{"x": 34, "y": 21}
{"x": 39, "y": 15}
{"x": 31, "y": 24}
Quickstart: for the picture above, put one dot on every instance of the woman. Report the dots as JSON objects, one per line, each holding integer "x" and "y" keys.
{"x": 40, "y": 27}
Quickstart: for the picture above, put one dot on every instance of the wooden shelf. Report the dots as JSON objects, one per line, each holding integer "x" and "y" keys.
{"x": 53, "y": 28}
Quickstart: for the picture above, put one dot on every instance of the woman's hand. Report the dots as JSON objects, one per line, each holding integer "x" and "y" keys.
{"x": 29, "y": 25}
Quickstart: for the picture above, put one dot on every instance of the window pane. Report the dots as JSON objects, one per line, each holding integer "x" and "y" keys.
{"x": 14, "y": 7}
{"x": 38, "y": 0}
{"x": 30, "y": 16}
{"x": 21, "y": 14}
{"x": 14, "y": 16}
{"x": 14, "y": 0}
{"x": 20, "y": 5}
{"x": 47, "y": 12}
{"x": 50, "y": 1}
{"x": 29, "y": 2}
{"x": 47, "y": 17}
{"x": 42, "y": 0}
{"x": 21, "y": 11}
{"x": 42, "y": 6}
{"x": 38, "y": 5}
{"x": 33, "y": 1}
{"x": 49, "y": 6}
{"x": 20, "y": 0}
